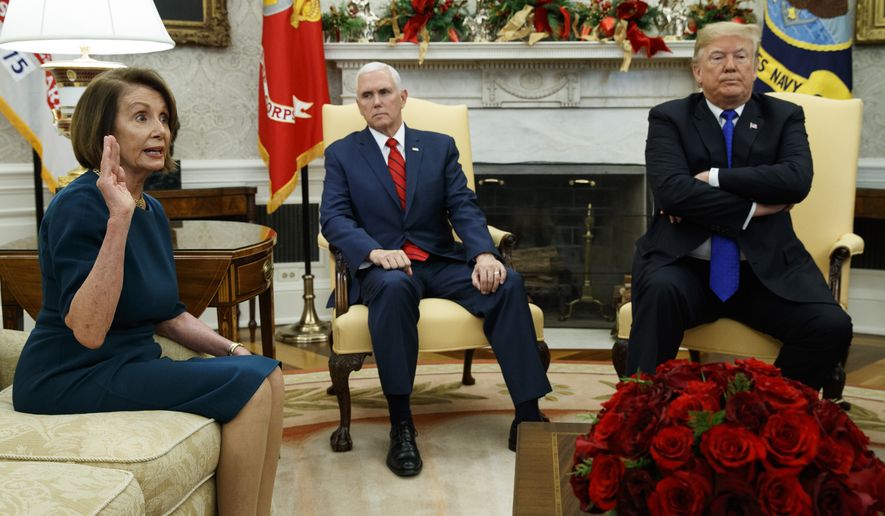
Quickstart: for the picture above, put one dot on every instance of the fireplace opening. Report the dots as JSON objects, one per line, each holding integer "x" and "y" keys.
{"x": 575, "y": 227}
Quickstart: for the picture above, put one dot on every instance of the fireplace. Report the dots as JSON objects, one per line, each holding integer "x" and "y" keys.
{"x": 561, "y": 215}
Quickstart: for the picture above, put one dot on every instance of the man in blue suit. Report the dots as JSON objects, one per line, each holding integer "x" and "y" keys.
{"x": 389, "y": 196}
{"x": 725, "y": 166}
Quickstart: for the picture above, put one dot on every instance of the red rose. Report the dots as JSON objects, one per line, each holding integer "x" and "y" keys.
{"x": 791, "y": 440}
{"x": 835, "y": 423}
{"x": 756, "y": 367}
{"x": 605, "y": 480}
{"x": 832, "y": 496}
{"x": 733, "y": 496}
{"x": 746, "y": 409}
{"x": 718, "y": 373}
{"x": 870, "y": 482}
{"x": 671, "y": 448}
{"x": 680, "y": 493}
{"x": 677, "y": 373}
{"x": 677, "y": 411}
{"x": 692, "y": 27}
{"x": 738, "y": 19}
{"x": 636, "y": 486}
{"x": 703, "y": 389}
{"x": 634, "y": 437}
{"x": 579, "y": 487}
{"x": 778, "y": 394}
{"x": 779, "y": 492}
{"x": 729, "y": 448}
{"x": 609, "y": 425}
{"x": 834, "y": 456}
{"x": 607, "y": 26}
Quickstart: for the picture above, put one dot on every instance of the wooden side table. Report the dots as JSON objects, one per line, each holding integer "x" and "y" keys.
{"x": 219, "y": 264}
{"x": 212, "y": 203}
{"x": 543, "y": 462}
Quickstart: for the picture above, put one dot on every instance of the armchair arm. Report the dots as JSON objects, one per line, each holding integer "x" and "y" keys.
{"x": 847, "y": 246}
{"x": 504, "y": 241}
{"x": 342, "y": 276}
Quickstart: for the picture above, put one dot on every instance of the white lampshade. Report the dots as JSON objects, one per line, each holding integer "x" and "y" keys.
{"x": 84, "y": 26}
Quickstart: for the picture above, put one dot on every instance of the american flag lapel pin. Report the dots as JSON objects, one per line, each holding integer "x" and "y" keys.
{"x": 753, "y": 125}
{"x": 414, "y": 149}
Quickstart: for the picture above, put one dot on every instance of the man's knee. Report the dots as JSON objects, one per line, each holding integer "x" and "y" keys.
{"x": 835, "y": 325}
{"x": 393, "y": 284}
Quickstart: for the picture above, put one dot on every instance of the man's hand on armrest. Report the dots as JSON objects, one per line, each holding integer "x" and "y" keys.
{"x": 391, "y": 259}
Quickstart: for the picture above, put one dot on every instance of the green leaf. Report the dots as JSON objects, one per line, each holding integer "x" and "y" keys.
{"x": 739, "y": 383}
{"x": 702, "y": 420}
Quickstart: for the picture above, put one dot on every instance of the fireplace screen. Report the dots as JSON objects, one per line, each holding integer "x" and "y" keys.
{"x": 575, "y": 227}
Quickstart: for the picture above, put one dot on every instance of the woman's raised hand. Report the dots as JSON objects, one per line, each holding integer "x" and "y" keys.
{"x": 112, "y": 180}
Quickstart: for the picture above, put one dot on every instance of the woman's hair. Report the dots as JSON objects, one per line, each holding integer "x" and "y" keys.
{"x": 714, "y": 31}
{"x": 96, "y": 112}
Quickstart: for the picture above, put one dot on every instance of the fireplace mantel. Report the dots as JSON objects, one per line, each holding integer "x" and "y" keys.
{"x": 555, "y": 102}
{"x": 512, "y": 51}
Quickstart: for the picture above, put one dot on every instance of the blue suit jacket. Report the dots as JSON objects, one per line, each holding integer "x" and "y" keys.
{"x": 360, "y": 210}
{"x": 771, "y": 163}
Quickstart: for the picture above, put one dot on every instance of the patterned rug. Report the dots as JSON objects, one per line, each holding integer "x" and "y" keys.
{"x": 462, "y": 435}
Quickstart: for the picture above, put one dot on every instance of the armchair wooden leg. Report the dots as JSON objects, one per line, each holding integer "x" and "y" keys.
{"x": 544, "y": 352}
{"x": 619, "y": 357}
{"x": 466, "y": 377}
{"x": 340, "y": 367}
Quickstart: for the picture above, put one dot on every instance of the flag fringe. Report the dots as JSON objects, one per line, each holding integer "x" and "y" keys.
{"x": 31, "y": 138}
{"x": 277, "y": 198}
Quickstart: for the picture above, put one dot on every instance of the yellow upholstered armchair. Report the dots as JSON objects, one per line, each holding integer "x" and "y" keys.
{"x": 443, "y": 325}
{"x": 824, "y": 222}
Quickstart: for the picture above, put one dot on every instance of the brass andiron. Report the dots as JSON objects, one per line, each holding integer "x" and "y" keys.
{"x": 586, "y": 288}
{"x": 310, "y": 329}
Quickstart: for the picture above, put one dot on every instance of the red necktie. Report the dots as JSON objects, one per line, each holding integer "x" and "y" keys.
{"x": 397, "y": 166}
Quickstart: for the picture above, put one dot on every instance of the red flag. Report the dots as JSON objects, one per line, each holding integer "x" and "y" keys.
{"x": 291, "y": 92}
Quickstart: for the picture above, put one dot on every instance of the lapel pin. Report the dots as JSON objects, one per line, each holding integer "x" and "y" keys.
{"x": 415, "y": 149}
{"x": 753, "y": 125}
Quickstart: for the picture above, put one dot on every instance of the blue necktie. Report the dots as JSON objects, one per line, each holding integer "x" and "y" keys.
{"x": 725, "y": 259}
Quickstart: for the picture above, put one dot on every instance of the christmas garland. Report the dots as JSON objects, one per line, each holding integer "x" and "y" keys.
{"x": 516, "y": 19}
{"x": 339, "y": 24}
{"x": 706, "y": 12}
{"x": 406, "y": 20}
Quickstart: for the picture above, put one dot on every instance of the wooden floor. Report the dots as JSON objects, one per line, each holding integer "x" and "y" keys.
{"x": 866, "y": 361}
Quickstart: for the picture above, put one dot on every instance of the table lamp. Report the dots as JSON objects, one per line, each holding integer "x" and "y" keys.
{"x": 103, "y": 27}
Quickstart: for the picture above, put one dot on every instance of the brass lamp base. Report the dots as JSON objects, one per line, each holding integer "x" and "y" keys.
{"x": 310, "y": 329}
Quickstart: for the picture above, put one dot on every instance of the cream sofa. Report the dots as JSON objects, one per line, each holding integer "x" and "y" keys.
{"x": 150, "y": 462}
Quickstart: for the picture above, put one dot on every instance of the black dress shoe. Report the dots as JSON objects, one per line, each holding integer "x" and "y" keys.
{"x": 511, "y": 441}
{"x": 403, "y": 457}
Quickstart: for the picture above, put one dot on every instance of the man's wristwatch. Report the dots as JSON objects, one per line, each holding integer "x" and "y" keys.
{"x": 233, "y": 347}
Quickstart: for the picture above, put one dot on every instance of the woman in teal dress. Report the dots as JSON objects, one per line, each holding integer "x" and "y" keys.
{"x": 109, "y": 285}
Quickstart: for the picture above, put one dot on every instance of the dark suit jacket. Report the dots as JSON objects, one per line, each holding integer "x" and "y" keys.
{"x": 771, "y": 164}
{"x": 360, "y": 210}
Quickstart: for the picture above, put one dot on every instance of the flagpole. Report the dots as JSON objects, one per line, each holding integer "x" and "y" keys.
{"x": 38, "y": 189}
{"x": 310, "y": 329}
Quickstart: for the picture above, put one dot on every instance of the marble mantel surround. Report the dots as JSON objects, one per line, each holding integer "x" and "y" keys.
{"x": 554, "y": 102}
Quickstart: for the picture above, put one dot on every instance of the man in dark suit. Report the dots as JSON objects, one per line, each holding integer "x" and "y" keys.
{"x": 725, "y": 166}
{"x": 389, "y": 196}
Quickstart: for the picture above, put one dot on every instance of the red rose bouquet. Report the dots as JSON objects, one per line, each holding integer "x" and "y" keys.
{"x": 724, "y": 439}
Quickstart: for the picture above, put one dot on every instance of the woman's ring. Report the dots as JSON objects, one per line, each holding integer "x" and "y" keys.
{"x": 497, "y": 273}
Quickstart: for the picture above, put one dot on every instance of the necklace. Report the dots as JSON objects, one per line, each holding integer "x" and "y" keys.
{"x": 139, "y": 202}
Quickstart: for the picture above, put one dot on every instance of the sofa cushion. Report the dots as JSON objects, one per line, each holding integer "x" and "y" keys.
{"x": 170, "y": 453}
{"x": 39, "y": 488}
